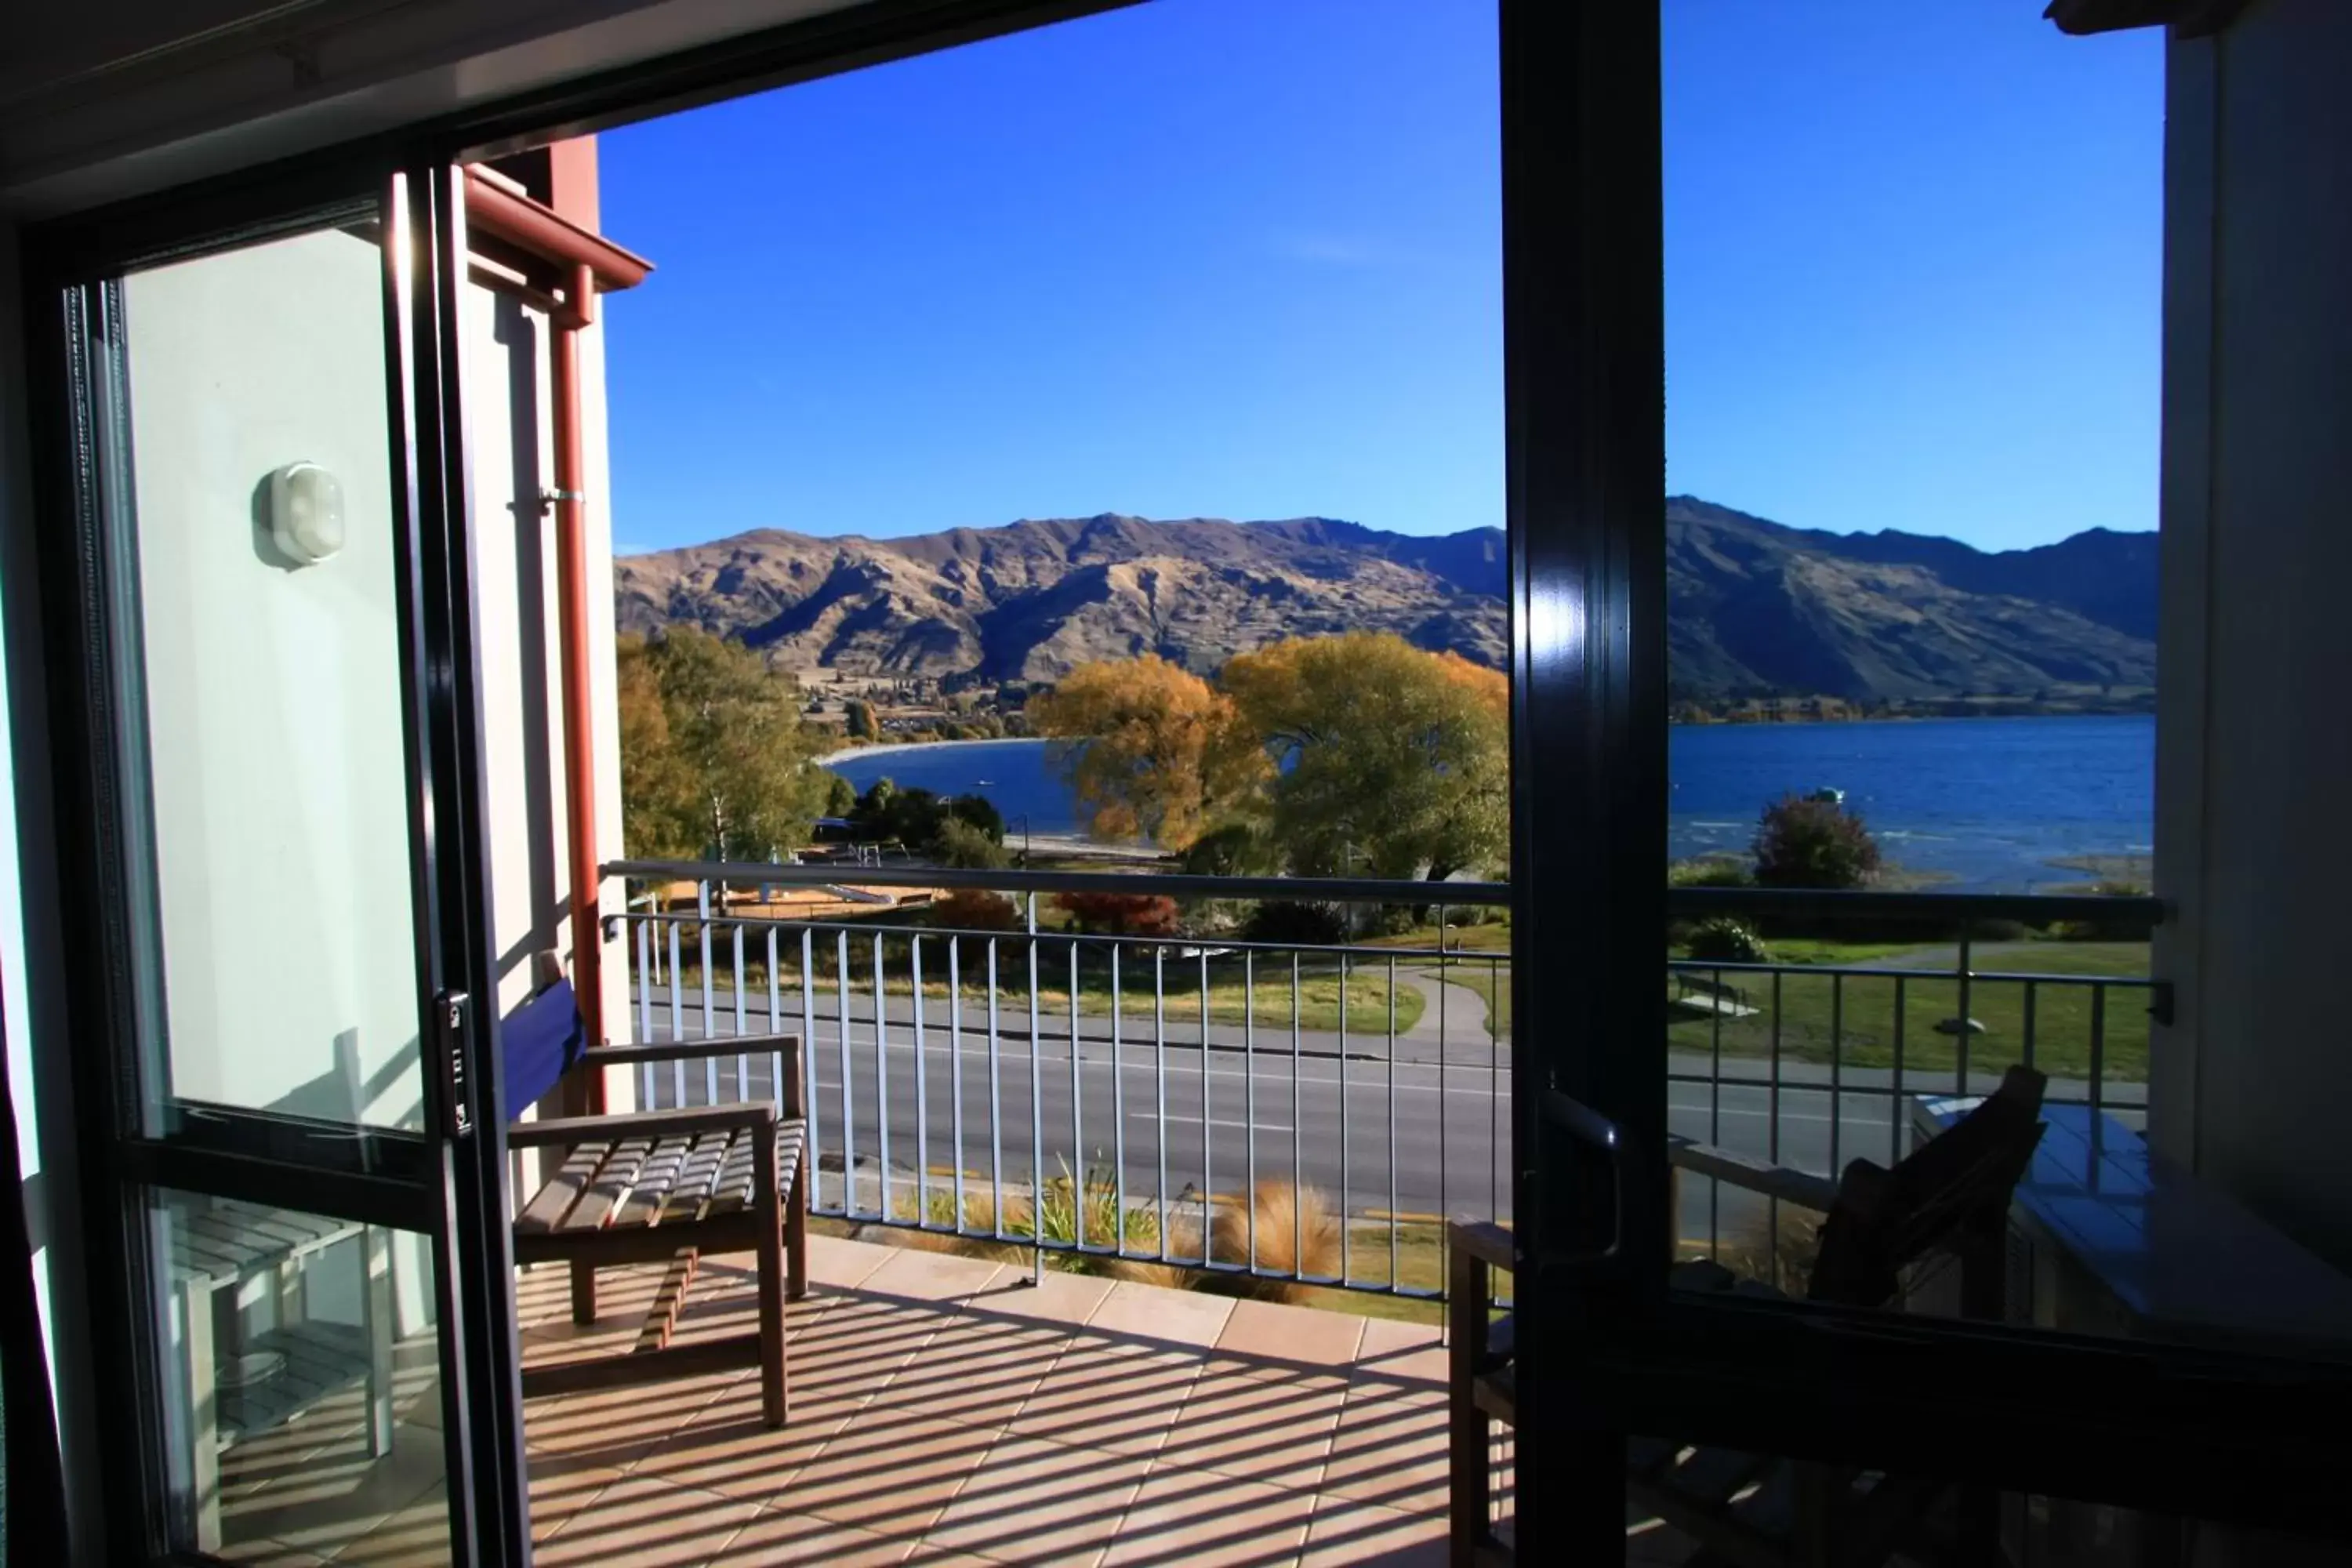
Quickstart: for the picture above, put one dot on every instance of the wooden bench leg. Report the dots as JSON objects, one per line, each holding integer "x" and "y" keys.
{"x": 1468, "y": 1456}
{"x": 584, "y": 1293}
{"x": 774, "y": 1404}
{"x": 796, "y": 1237}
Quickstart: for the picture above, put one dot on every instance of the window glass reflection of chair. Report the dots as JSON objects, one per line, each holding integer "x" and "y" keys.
{"x": 1945, "y": 1205}
{"x": 661, "y": 1186}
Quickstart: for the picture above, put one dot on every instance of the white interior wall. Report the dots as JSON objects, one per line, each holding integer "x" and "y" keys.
{"x": 274, "y": 705}
{"x": 2254, "y": 764}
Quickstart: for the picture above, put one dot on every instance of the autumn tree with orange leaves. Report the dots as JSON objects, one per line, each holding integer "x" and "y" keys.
{"x": 1151, "y": 748}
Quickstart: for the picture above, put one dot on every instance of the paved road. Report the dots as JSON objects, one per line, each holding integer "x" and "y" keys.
{"x": 1448, "y": 1124}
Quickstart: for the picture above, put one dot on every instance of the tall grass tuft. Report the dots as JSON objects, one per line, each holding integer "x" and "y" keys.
{"x": 1297, "y": 1233}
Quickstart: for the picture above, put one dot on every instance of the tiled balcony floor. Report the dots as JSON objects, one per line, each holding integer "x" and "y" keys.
{"x": 945, "y": 1411}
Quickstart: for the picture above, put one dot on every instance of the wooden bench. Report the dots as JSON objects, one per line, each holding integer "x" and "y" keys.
{"x": 662, "y": 1185}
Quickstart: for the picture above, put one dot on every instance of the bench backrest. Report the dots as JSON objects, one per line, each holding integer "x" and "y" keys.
{"x": 1947, "y": 1188}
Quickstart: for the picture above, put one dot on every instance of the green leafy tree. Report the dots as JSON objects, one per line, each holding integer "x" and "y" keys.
{"x": 965, "y": 848}
{"x": 1154, "y": 751}
{"x": 840, "y": 795}
{"x": 1388, "y": 761}
{"x": 861, "y": 721}
{"x": 713, "y": 756}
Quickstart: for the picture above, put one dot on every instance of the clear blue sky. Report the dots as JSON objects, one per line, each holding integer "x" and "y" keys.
{"x": 1242, "y": 258}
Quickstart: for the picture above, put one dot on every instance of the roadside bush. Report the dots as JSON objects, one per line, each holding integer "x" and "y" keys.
{"x": 1813, "y": 844}
{"x": 2117, "y": 929}
{"x": 1999, "y": 930}
{"x": 1723, "y": 940}
{"x": 1296, "y": 924}
{"x": 1120, "y": 914}
{"x": 970, "y": 910}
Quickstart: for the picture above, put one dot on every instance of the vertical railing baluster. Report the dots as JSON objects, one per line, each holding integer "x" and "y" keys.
{"x": 677, "y": 1009}
{"x": 1714, "y": 1117}
{"x": 1208, "y": 1181}
{"x": 1960, "y": 1054}
{"x": 709, "y": 1018}
{"x": 1894, "y": 1105}
{"x": 1159, "y": 1074}
{"x": 1837, "y": 1078}
{"x": 841, "y": 970}
{"x": 955, "y": 1069}
{"x": 1772, "y": 1142}
{"x": 1494, "y": 1096}
{"x": 995, "y": 1105}
{"x": 1077, "y": 1119}
{"x": 1117, "y": 1113}
{"x": 1036, "y": 1114}
{"x": 775, "y": 1054}
{"x": 1249, "y": 1094}
{"x": 1395, "y": 1241}
{"x": 881, "y": 1083}
{"x": 1347, "y": 1179}
{"x": 742, "y": 1058}
{"x": 1445, "y": 1103}
{"x": 2027, "y": 1052}
{"x": 922, "y": 1087}
{"x": 2098, "y": 1046}
{"x": 808, "y": 1064}
{"x": 1297, "y": 1164}
{"x": 646, "y": 949}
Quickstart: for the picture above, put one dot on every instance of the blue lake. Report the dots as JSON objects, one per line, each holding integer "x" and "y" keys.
{"x": 1987, "y": 803}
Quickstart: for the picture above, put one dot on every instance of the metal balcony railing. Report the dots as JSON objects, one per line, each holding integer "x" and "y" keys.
{"x": 1313, "y": 1110}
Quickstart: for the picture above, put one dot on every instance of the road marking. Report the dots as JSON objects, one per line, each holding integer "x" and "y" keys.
{"x": 1214, "y": 1121}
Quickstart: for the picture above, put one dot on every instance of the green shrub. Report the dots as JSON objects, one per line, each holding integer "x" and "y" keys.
{"x": 1708, "y": 871}
{"x": 1294, "y": 923}
{"x": 1723, "y": 940}
{"x": 1813, "y": 844}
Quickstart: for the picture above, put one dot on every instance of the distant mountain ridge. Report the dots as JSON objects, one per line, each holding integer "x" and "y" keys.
{"x": 1755, "y": 607}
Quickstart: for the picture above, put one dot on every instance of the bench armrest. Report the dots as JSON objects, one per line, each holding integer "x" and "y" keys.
{"x": 1489, "y": 1243}
{"x": 691, "y": 1119}
{"x": 1800, "y": 1187}
{"x": 692, "y": 1050}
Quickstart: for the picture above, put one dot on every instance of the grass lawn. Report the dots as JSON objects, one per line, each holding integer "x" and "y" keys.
{"x": 1806, "y": 1019}
{"x": 1230, "y": 997}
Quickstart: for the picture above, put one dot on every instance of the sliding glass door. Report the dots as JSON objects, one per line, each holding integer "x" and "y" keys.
{"x": 266, "y": 729}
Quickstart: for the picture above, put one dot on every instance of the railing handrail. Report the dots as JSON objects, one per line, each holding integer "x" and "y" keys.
{"x": 1325, "y": 889}
{"x": 1681, "y": 902}
{"x": 1807, "y": 903}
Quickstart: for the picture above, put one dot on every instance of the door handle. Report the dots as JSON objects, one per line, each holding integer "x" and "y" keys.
{"x": 451, "y": 1009}
{"x": 1601, "y": 1148}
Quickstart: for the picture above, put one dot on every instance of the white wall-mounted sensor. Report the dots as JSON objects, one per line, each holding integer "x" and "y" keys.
{"x": 306, "y": 512}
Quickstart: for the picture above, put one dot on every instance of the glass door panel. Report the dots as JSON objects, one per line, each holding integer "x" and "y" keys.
{"x": 276, "y": 939}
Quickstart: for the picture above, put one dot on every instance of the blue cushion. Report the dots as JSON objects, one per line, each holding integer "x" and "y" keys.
{"x": 538, "y": 1041}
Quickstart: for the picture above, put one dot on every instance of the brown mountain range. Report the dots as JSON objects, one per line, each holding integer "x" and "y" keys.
{"x": 1755, "y": 606}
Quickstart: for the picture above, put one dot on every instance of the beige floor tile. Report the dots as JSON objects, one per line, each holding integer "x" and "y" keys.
{"x": 786, "y": 1538}
{"x": 561, "y": 1487}
{"x": 1390, "y": 1449}
{"x": 1032, "y": 1502}
{"x": 338, "y": 1494}
{"x": 1058, "y": 1297}
{"x": 1121, "y": 1395}
{"x": 889, "y": 1472}
{"x": 842, "y": 1355}
{"x": 976, "y": 1369}
{"x": 1344, "y": 1531}
{"x": 618, "y": 1426}
{"x": 1258, "y": 1428}
{"x": 640, "y": 1522}
{"x": 269, "y": 1555}
{"x": 1401, "y": 1353}
{"x": 929, "y": 1276}
{"x": 417, "y": 1536}
{"x": 1152, "y": 1313}
{"x": 842, "y": 1265}
{"x": 1290, "y": 1336}
{"x": 1201, "y": 1519}
{"x": 730, "y": 1449}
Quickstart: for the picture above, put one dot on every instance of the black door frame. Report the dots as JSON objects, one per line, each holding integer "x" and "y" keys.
{"x": 446, "y": 1188}
{"x": 1607, "y": 1351}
